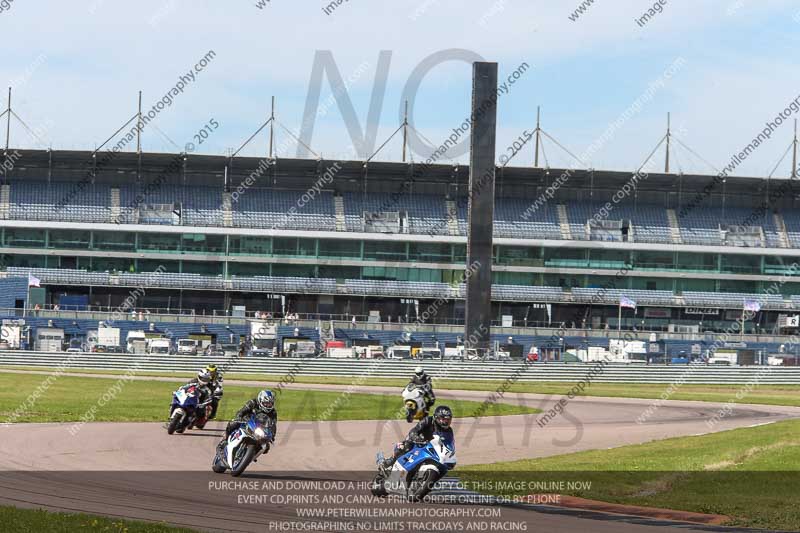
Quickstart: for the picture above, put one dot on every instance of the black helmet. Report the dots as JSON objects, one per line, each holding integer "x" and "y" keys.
{"x": 442, "y": 417}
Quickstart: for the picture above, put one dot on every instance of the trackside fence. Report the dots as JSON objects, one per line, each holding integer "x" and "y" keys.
{"x": 458, "y": 370}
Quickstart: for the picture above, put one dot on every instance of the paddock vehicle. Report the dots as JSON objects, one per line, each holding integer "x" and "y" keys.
{"x": 373, "y": 351}
{"x": 454, "y": 352}
{"x": 245, "y": 445}
{"x": 188, "y": 409}
{"x": 214, "y": 350}
{"x": 187, "y": 346}
{"x": 399, "y": 352}
{"x": 414, "y": 474}
{"x": 159, "y": 346}
{"x": 414, "y": 399}
{"x": 299, "y": 347}
{"x": 427, "y": 352}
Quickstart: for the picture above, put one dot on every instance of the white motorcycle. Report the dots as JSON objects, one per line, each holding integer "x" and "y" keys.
{"x": 414, "y": 400}
{"x": 244, "y": 446}
{"x": 414, "y": 474}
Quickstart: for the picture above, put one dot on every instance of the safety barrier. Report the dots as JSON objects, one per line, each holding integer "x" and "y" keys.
{"x": 450, "y": 369}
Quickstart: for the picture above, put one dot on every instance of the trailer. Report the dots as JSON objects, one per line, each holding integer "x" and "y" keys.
{"x": 49, "y": 340}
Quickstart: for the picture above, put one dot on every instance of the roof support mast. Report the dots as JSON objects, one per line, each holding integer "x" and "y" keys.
{"x": 666, "y": 161}
{"x": 536, "y": 131}
{"x": 139, "y": 140}
{"x": 8, "y": 119}
{"x": 794, "y": 151}
{"x": 271, "y": 127}
{"x": 405, "y": 131}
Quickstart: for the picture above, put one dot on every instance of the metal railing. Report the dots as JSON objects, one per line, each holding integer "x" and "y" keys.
{"x": 452, "y": 370}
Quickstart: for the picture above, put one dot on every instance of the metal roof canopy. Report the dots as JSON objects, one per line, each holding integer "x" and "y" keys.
{"x": 301, "y": 174}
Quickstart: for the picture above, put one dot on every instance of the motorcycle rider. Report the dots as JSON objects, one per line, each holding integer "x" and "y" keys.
{"x": 263, "y": 407}
{"x": 423, "y": 381}
{"x": 204, "y": 390}
{"x": 422, "y": 433}
{"x": 215, "y": 386}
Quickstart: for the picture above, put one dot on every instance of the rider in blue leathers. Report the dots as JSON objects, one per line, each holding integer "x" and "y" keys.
{"x": 422, "y": 433}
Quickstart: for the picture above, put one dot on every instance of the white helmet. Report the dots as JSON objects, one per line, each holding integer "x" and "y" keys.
{"x": 204, "y": 376}
{"x": 266, "y": 400}
{"x": 419, "y": 371}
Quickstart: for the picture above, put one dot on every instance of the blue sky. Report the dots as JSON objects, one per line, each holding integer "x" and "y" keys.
{"x": 76, "y": 68}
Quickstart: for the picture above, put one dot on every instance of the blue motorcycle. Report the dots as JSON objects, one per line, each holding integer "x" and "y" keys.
{"x": 245, "y": 445}
{"x": 188, "y": 409}
{"x": 413, "y": 474}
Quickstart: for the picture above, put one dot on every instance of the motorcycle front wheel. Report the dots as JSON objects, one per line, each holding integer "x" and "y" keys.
{"x": 173, "y": 423}
{"x": 217, "y": 465}
{"x": 242, "y": 458}
{"x": 378, "y": 489}
{"x": 421, "y": 485}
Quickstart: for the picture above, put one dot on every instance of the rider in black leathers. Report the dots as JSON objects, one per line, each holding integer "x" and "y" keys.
{"x": 423, "y": 432}
{"x": 263, "y": 407}
{"x": 215, "y": 386}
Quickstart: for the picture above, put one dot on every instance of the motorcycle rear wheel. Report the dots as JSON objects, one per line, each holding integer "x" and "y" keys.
{"x": 238, "y": 468}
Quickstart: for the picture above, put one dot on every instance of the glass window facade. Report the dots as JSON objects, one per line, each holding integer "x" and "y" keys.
{"x": 588, "y": 267}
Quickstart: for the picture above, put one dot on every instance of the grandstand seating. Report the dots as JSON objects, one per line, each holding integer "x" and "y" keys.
{"x": 733, "y": 300}
{"x": 270, "y": 208}
{"x": 792, "y": 221}
{"x": 426, "y": 213}
{"x": 67, "y": 202}
{"x": 401, "y": 289}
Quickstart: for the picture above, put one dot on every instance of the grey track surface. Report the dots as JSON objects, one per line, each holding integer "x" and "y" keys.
{"x": 46, "y": 466}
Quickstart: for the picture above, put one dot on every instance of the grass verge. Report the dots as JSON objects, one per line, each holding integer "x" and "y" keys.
{"x": 69, "y": 398}
{"x": 764, "y": 394}
{"x": 749, "y": 474}
{"x": 37, "y": 520}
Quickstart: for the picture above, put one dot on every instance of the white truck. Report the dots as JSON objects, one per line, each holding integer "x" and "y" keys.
{"x": 722, "y": 357}
{"x": 294, "y": 347}
{"x": 49, "y": 340}
{"x": 429, "y": 352}
{"x": 263, "y": 335}
{"x": 107, "y": 338}
{"x": 136, "y": 342}
{"x": 400, "y": 351}
{"x": 373, "y": 351}
{"x": 622, "y": 351}
{"x": 160, "y": 346}
{"x": 188, "y": 346}
{"x": 339, "y": 352}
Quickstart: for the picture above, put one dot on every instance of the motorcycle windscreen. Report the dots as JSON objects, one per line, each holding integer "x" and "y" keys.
{"x": 444, "y": 447}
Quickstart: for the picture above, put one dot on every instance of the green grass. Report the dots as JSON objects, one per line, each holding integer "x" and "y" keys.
{"x": 36, "y": 521}
{"x": 764, "y": 394}
{"x": 68, "y": 398}
{"x": 749, "y": 474}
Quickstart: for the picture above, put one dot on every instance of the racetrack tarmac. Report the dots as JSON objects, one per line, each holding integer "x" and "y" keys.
{"x": 136, "y": 470}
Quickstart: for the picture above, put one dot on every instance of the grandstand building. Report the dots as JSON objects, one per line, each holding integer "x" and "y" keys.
{"x": 344, "y": 238}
